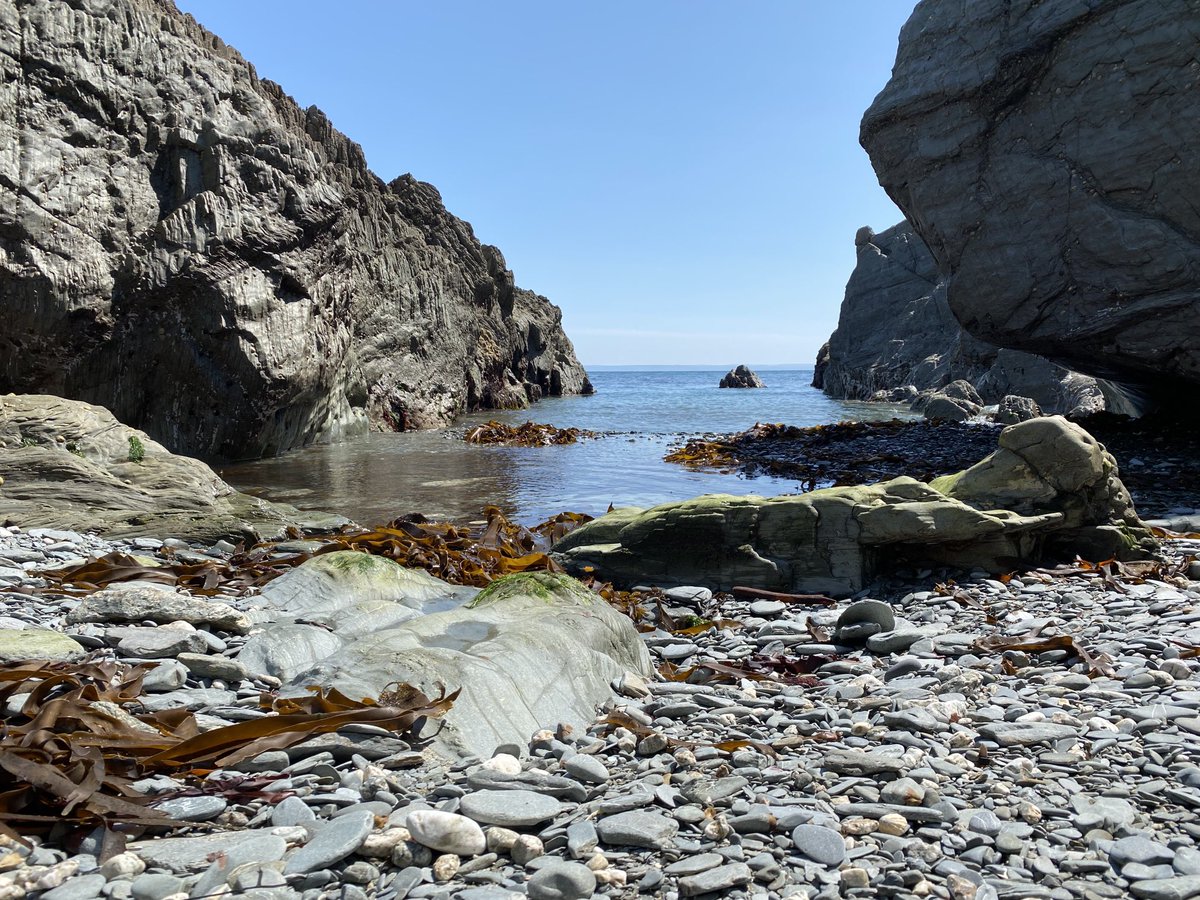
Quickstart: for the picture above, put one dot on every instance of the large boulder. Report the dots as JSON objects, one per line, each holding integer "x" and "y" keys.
{"x": 68, "y": 464}
{"x": 529, "y": 651}
{"x": 1042, "y": 156}
{"x": 183, "y": 244}
{"x": 1049, "y": 490}
{"x": 896, "y": 336}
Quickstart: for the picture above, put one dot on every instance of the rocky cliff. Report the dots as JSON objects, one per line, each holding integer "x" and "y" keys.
{"x": 183, "y": 244}
{"x": 896, "y": 330}
{"x": 1045, "y": 154}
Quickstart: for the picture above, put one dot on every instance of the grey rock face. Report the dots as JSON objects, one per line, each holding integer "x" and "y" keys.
{"x": 177, "y": 221}
{"x": 897, "y": 336}
{"x": 1040, "y": 155}
{"x": 69, "y": 464}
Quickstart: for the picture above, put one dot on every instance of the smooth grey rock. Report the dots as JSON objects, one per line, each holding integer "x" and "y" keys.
{"x": 292, "y": 811}
{"x": 80, "y": 887}
{"x": 137, "y": 604}
{"x": 332, "y": 843}
{"x": 820, "y": 844}
{"x": 204, "y": 665}
{"x": 1011, "y": 132}
{"x": 638, "y": 828}
{"x": 562, "y": 881}
{"x": 189, "y": 698}
{"x": 159, "y": 643}
{"x": 168, "y": 675}
{"x": 1022, "y": 734}
{"x": 1139, "y": 849}
{"x": 148, "y": 886}
{"x": 587, "y": 769}
{"x": 100, "y": 489}
{"x": 447, "y": 832}
{"x": 1180, "y": 888}
{"x": 720, "y": 879}
{"x": 868, "y": 611}
{"x": 1050, "y": 486}
{"x": 191, "y": 854}
{"x": 530, "y": 650}
{"x": 509, "y": 809}
{"x": 193, "y": 809}
{"x": 694, "y": 865}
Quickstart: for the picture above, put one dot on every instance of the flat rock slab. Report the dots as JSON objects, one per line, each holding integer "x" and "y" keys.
{"x": 638, "y": 828}
{"x": 37, "y": 643}
{"x": 332, "y": 843}
{"x": 163, "y": 607}
{"x": 713, "y": 880}
{"x": 1023, "y": 734}
{"x": 191, "y": 854}
{"x": 509, "y": 809}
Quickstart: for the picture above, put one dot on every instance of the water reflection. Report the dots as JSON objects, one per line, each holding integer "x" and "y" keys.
{"x": 643, "y": 414}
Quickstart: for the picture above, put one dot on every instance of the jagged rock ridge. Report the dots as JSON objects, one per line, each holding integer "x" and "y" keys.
{"x": 183, "y": 244}
{"x": 1043, "y": 152}
{"x": 896, "y": 329}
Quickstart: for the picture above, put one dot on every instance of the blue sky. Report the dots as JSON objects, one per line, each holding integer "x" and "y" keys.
{"x": 682, "y": 177}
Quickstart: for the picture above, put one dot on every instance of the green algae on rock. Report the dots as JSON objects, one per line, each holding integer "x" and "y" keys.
{"x": 1050, "y": 489}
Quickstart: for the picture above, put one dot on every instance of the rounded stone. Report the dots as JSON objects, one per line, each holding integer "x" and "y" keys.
{"x": 867, "y": 611}
{"x": 820, "y": 844}
{"x": 332, "y": 843}
{"x": 447, "y": 832}
{"x": 193, "y": 809}
{"x": 638, "y": 828}
{"x": 562, "y": 881}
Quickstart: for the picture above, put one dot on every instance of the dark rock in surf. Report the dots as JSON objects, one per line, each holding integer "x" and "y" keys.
{"x": 741, "y": 377}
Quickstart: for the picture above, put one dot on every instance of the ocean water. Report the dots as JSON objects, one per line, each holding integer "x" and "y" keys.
{"x": 641, "y": 415}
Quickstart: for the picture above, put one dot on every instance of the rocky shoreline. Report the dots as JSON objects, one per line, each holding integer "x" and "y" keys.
{"x": 1033, "y": 736}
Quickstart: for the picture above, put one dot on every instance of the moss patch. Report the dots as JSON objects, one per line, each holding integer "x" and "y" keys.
{"x": 546, "y": 587}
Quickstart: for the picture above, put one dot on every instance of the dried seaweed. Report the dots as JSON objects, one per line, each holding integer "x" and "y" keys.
{"x": 1098, "y": 664}
{"x": 70, "y": 755}
{"x": 750, "y": 593}
{"x": 529, "y": 434}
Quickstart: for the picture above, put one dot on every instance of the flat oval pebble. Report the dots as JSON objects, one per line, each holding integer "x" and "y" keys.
{"x": 447, "y": 832}
{"x": 562, "y": 881}
{"x": 331, "y": 844}
{"x": 638, "y": 828}
{"x": 509, "y": 809}
{"x": 821, "y": 845}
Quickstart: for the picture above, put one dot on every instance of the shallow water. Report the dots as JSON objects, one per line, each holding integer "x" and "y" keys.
{"x": 642, "y": 414}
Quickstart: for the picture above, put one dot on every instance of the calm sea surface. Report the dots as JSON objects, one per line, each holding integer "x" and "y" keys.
{"x": 642, "y": 414}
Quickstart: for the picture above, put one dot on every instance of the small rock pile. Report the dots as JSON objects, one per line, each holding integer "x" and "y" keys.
{"x": 920, "y": 753}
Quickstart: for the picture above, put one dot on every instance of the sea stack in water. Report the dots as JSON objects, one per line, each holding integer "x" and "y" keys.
{"x": 1041, "y": 155}
{"x": 741, "y": 377}
{"x": 187, "y": 247}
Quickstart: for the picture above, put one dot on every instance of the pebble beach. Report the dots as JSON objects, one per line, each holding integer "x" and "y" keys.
{"x": 914, "y": 758}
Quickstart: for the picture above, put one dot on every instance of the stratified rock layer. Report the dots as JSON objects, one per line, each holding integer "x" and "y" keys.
{"x": 183, "y": 244}
{"x": 68, "y": 464}
{"x": 896, "y": 330}
{"x": 1050, "y": 489}
{"x": 1043, "y": 152}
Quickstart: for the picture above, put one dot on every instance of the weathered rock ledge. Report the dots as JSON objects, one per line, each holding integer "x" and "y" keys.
{"x": 189, "y": 248}
{"x": 1049, "y": 490}
{"x": 69, "y": 465}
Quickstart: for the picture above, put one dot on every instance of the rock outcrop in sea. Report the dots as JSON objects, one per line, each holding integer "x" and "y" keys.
{"x": 897, "y": 337}
{"x": 189, "y": 248}
{"x": 1041, "y": 152}
{"x": 741, "y": 377}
